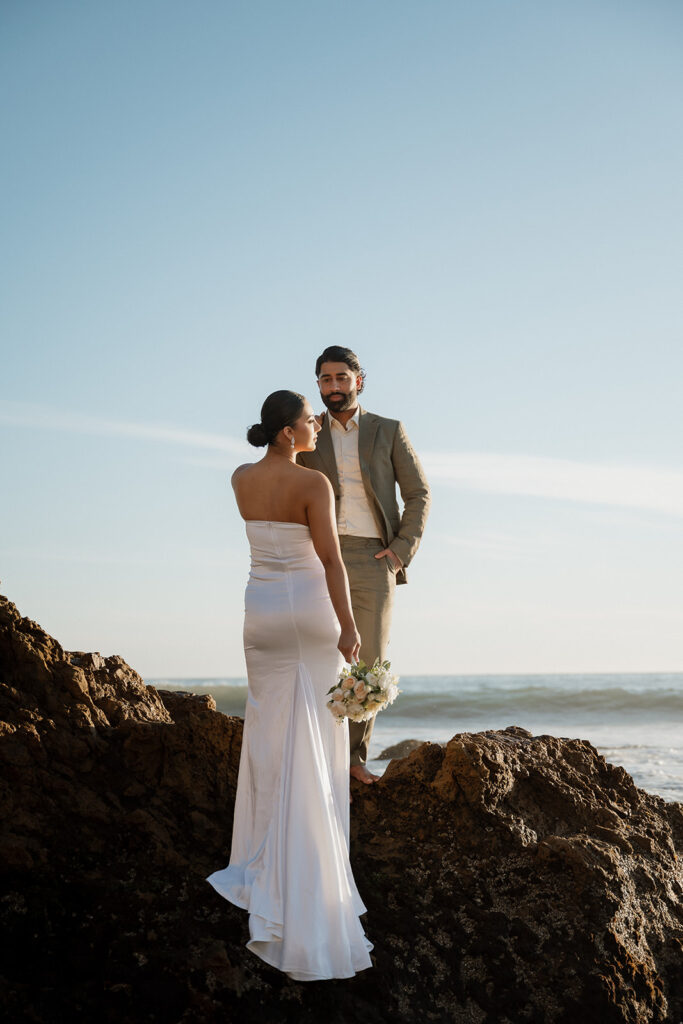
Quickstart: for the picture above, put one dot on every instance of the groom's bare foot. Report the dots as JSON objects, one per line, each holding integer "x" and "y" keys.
{"x": 360, "y": 772}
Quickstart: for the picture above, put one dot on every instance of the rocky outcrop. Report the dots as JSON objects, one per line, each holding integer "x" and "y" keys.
{"x": 508, "y": 877}
{"x": 401, "y": 749}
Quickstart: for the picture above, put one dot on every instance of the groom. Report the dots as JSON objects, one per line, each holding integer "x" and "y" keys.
{"x": 364, "y": 456}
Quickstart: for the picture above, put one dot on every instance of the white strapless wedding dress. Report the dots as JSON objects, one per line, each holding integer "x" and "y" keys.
{"x": 289, "y": 862}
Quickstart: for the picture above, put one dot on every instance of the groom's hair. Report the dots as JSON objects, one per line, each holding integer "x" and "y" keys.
{"x": 339, "y": 354}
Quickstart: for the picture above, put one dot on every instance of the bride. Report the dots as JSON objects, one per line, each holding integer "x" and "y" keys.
{"x": 289, "y": 863}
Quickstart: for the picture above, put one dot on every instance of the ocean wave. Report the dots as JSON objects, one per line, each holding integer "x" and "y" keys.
{"x": 665, "y": 703}
{"x": 195, "y": 684}
{"x": 470, "y": 698}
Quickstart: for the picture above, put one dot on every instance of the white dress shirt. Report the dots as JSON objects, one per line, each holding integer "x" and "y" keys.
{"x": 354, "y": 516}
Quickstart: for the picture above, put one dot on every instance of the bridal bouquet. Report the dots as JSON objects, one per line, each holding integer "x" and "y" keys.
{"x": 360, "y": 692}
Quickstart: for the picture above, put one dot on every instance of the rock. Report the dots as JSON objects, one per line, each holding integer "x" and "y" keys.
{"x": 401, "y": 749}
{"x": 508, "y": 877}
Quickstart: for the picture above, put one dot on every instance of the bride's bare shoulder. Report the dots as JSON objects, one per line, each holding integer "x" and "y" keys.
{"x": 240, "y": 469}
{"x": 316, "y": 480}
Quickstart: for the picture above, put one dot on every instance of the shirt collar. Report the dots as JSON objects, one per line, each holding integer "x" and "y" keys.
{"x": 352, "y": 424}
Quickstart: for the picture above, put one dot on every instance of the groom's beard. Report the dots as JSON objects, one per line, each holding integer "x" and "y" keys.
{"x": 338, "y": 402}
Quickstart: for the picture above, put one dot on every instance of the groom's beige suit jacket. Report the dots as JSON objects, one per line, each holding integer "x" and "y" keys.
{"x": 386, "y": 459}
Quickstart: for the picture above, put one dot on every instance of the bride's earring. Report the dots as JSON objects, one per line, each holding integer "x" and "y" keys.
{"x": 292, "y": 445}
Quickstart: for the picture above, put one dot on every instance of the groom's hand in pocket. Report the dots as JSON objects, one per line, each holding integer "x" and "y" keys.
{"x": 392, "y": 556}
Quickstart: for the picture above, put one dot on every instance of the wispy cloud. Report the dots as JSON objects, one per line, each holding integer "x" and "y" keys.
{"x": 25, "y": 414}
{"x": 221, "y": 463}
{"x": 497, "y": 545}
{"x": 182, "y": 557}
{"x": 643, "y": 487}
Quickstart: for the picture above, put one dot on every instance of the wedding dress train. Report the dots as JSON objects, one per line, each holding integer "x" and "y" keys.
{"x": 289, "y": 864}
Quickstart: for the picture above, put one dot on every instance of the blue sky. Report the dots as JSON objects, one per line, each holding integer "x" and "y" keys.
{"x": 483, "y": 200}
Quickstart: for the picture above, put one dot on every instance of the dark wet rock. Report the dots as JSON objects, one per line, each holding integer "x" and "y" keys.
{"x": 507, "y": 877}
{"x": 401, "y": 749}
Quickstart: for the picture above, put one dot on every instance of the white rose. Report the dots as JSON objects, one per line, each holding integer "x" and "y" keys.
{"x": 360, "y": 689}
{"x": 371, "y": 678}
{"x": 338, "y": 694}
{"x": 348, "y": 683}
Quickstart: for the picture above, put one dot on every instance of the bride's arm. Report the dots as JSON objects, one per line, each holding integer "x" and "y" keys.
{"x": 323, "y": 527}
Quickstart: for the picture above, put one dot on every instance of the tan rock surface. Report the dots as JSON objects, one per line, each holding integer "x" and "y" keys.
{"x": 507, "y": 877}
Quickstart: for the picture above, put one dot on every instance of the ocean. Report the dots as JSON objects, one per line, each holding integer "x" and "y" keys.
{"x": 634, "y": 720}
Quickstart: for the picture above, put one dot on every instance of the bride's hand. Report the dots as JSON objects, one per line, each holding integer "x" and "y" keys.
{"x": 349, "y": 644}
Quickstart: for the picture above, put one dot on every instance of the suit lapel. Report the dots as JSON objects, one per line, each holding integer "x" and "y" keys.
{"x": 368, "y": 424}
{"x": 367, "y": 428}
{"x": 325, "y": 452}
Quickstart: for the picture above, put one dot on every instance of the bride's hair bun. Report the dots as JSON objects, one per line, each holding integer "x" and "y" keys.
{"x": 257, "y": 436}
{"x": 281, "y": 409}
